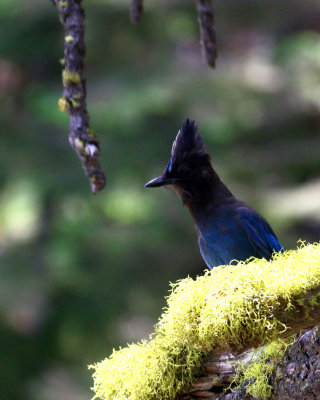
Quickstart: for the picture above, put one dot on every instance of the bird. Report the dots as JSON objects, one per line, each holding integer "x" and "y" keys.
{"x": 228, "y": 229}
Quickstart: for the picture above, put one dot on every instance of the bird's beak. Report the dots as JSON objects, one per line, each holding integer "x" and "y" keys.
{"x": 160, "y": 181}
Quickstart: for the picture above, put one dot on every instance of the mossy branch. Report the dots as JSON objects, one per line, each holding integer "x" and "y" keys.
{"x": 229, "y": 308}
{"x": 81, "y": 137}
{"x": 282, "y": 370}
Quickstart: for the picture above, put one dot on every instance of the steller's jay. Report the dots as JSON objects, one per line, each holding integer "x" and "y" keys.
{"x": 228, "y": 229}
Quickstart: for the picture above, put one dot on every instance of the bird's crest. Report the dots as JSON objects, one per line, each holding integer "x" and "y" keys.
{"x": 188, "y": 143}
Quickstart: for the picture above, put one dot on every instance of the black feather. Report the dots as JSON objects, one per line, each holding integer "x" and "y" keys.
{"x": 188, "y": 143}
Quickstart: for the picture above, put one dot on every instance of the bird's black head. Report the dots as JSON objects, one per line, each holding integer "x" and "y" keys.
{"x": 189, "y": 163}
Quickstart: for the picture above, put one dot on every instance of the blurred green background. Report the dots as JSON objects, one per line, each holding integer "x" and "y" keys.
{"x": 81, "y": 274}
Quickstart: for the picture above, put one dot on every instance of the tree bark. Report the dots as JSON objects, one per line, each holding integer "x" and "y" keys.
{"x": 296, "y": 376}
{"x": 207, "y": 32}
{"x": 81, "y": 137}
{"x": 136, "y": 10}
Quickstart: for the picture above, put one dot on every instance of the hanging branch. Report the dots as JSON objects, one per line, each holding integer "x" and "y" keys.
{"x": 136, "y": 10}
{"x": 207, "y": 32}
{"x": 206, "y": 22}
{"x": 81, "y": 138}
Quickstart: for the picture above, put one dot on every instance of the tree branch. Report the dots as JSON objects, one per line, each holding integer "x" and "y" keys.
{"x": 218, "y": 369}
{"x": 206, "y": 22}
{"x": 81, "y": 138}
{"x": 207, "y": 32}
{"x": 296, "y": 375}
{"x": 231, "y": 308}
{"x": 136, "y": 10}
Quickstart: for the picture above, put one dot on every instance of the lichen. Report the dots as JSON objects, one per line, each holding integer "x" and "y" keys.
{"x": 63, "y": 104}
{"x": 69, "y": 38}
{"x": 90, "y": 133}
{"x": 75, "y": 103}
{"x": 263, "y": 364}
{"x": 78, "y": 144}
{"x": 91, "y": 150}
{"x": 228, "y": 306}
{"x": 69, "y": 77}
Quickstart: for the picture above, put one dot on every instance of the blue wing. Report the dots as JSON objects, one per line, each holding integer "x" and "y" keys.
{"x": 211, "y": 255}
{"x": 260, "y": 234}
{"x": 238, "y": 233}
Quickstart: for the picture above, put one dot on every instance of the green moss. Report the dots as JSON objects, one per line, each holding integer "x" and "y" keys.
{"x": 70, "y": 77}
{"x": 315, "y": 300}
{"x": 146, "y": 370}
{"x": 234, "y": 304}
{"x": 263, "y": 365}
{"x": 228, "y": 306}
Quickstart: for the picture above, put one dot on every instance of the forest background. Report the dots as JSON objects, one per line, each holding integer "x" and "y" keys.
{"x": 81, "y": 274}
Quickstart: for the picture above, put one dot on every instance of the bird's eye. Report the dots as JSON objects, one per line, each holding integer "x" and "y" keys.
{"x": 185, "y": 172}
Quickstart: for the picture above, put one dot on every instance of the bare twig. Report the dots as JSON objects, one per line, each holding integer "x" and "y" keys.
{"x": 207, "y": 32}
{"x": 81, "y": 138}
{"x": 136, "y": 10}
